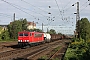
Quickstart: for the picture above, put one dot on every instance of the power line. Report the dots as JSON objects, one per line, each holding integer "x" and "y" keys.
{"x": 6, "y": 15}
{"x": 83, "y": 4}
{"x": 64, "y": 9}
{"x": 37, "y": 7}
{"x": 73, "y": 5}
{"x": 80, "y": 7}
{"x": 58, "y": 8}
{"x": 84, "y": 8}
{"x": 67, "y": 4}
{"x": 33, "y": 5}
{"x": 18, "y": 8}
{"x": 30, "y": 10}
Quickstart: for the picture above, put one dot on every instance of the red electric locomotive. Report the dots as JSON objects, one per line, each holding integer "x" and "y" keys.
{"x": 26, "y": 37}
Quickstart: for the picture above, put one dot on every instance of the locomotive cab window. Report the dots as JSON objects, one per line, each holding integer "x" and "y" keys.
{"x": 25, "y": 34}
{"x": 21, "y": 34}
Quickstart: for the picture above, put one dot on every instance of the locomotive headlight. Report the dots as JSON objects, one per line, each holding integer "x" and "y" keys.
{"x": 18, "y": 40}
{"x": 27, "y": 40}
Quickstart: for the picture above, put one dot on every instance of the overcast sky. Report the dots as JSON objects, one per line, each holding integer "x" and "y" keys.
{"x": 62, "y": 17}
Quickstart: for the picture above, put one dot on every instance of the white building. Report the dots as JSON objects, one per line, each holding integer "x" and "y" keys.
{"x": 31, "y": 25}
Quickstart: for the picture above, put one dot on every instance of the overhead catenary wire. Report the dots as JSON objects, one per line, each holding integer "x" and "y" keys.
{"x": 36, "y": 7}
{"x": 6, "y": 15}
{"x": 33, "y": 5}
{"x": 84, "y": 8}
{"x": 63, "y": 10}
{"x": 39, "y": 9}
{"x": 84, "y": 4}
{"x": 29, "y": 10}
{"x": 67, "y": 4}
{"x": 73, "y": 5}
{"x": 18, "y": 8}
{"x": 80, "y": 7}
{"x": 58, "y": 7}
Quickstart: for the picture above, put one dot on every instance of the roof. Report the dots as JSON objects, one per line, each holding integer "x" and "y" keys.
{"x": 28, "y": 32}
{"x": 3, "y": 25}
{"x": 31, "y": 23}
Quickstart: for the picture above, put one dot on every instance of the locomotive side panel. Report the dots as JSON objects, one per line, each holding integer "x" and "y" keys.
{"x": 38, "y": 37}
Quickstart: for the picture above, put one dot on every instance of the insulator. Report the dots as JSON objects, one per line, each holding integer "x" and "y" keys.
{"x": 38, "y": 18}
{"x": 49, "y": 6}
{"x": 49, "y": 13}
{"x": 66, "y": 18}
{"x": 53, "y": 17}
{"x": 73, "y": 5}
{"x": 89, "y": 3}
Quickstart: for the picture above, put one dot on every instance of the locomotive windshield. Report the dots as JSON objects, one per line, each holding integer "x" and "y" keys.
{"x": 25, "y": 34}
{"x": 21, "y": 34}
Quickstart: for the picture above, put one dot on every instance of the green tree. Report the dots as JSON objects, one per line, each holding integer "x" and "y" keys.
{"x": 37, "y": 30}
{"x": 24, "y": 24}
{"x": 84, "y": 29}
{"x": 80, "y": 47}
{"x": 5, "y": 35}
{"x": 52, "y": 31}
{"x": 60, "y": 33}
{"x": 16, "y": 26}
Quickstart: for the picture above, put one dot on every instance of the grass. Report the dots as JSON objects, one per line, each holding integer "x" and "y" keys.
{"x": 58, "y": 48}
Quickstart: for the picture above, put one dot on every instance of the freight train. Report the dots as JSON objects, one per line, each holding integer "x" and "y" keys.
{"x": 27, "y": 38}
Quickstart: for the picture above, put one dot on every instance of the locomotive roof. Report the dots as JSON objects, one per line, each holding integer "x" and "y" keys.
{"x": 28, "y": 32}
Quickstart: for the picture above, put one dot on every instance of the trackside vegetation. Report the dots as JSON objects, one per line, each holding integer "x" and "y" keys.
{"x": 79, "y": 49}
{"x": 10, "y": 34}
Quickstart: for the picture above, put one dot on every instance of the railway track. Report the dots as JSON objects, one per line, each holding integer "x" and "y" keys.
{"x": 19, "y": 53}
{"x": 58, "y": 54}
{"x": 29, "y": 53}
{"x": 36, "y": 55}
{"x": 61, "y": 51}
{"x": 5, "y": 46}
